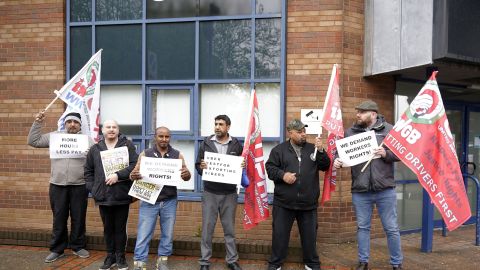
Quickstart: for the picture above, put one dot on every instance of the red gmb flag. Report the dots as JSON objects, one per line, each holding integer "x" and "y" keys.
{"x": 421, "y": 138}
{"x": 332, "y": 122}
{"x": 256, "y": 200}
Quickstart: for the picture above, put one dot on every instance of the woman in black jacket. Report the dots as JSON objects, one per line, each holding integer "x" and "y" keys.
{"x": 111, "y": 193}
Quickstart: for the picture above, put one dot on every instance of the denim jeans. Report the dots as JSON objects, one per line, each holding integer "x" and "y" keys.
{"x": 386, "y": 202}
{"x": 147, "y": 219}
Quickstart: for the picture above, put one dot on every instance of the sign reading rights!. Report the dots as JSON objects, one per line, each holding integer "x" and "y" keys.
{"x": 161, "y": 171}
{"x": 356, "y": 149}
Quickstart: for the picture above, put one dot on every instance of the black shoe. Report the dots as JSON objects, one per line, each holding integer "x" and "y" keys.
{"x": 397, "y": 267}
{"x": 122, "y": 262}
{"x": 362, "y": 266}
{"x": 109, "y": 262}
{"x": 234, "y": 266}
{"x": 273, "y": 267}
{"x": 204, "y": 267}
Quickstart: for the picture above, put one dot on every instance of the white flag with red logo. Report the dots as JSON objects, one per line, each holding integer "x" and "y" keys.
{"x": 256, "y": 200}
{"x": 422, "y": 139}
{"x": 82, "y": 94}
{"x": 332, "y": 121}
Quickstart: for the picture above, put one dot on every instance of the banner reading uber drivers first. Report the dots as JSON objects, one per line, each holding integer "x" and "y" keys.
{"x": 422, "y": 140}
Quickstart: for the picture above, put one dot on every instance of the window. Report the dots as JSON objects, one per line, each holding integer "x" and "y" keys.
{"x": 181, "y": 63}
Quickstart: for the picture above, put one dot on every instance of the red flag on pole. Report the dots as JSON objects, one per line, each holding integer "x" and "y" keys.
{"x": 256, "y": 200}
{"x": 422, "y": 139}
{"x": 332, "y": 122}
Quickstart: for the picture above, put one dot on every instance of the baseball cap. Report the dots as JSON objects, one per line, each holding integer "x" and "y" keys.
{"x": 295, "y": 124}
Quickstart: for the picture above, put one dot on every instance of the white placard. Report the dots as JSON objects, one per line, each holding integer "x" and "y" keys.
{"x": 64, "y": 145}
{"x": 356, "y": 149}
{"x": 222, "y": 168}
{"x": 161, "y": 171}
{"x": 114, "y": 160}
{"x": 312, "y": 118}
{"x": 145, "y": 191}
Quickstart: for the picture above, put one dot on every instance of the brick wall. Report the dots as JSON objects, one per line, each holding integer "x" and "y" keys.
{"x": 32, "y": 64}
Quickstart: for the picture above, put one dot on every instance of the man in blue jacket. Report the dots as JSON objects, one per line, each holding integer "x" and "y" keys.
{"x": 296, "y": 177}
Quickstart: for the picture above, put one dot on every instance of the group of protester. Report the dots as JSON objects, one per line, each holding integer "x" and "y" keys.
{"x": 290, "y": 166}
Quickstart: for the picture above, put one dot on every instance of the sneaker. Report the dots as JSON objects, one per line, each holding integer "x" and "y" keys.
{"x": 122, "y": 262}
{"x": 139, "y": 265}
{"x": 82, "y": 253}
{"x": 273, "y": 267}
{"x": 397, "y": 267}
{"x": 53, "y": 257}
{"x": 310, "y": 268}
{"x": 109, "y": 262}
{"x": 362, "y": 266}
{"x": 162, "y": 262}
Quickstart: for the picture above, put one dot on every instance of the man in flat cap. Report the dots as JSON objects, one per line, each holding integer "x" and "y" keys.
{"x": 296, "y": 194}
{"x": 375, "y": 185}
{"x": 67, "y": 191}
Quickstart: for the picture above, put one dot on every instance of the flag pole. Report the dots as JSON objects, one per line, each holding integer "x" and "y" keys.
{"x": 370, "y": 160}
{"x": 53, "y": 101}
{"x": 313, "y": 156}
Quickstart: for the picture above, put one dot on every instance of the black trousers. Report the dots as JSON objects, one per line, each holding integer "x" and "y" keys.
{"x": 282, "y": 225}
{"x": 68, "y": 201}
{"x": 114, "y": 220}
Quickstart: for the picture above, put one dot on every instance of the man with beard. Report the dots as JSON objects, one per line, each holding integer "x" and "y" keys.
{"x": 296, "y": 194}
{"x": 218, "y": 199}
{"x": 375, "y": 185}
{"x": 165, "y": 207}
{"x": 67, "y": 191}
{"x": 110, "y": 193}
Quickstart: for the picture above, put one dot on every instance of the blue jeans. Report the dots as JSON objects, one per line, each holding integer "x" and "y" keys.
{"x": 147, "y": 219}
{"x": 386, "y": 202}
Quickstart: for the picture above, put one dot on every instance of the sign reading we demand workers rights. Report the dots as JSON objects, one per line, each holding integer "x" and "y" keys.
{"x": 161, "y": 171}
{"x": 356, "y": 149}
{"x": 421, "y": 138}
{"x": 223, "y": 168}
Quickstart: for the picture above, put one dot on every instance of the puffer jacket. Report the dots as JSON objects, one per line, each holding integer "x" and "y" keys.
{"x": 378, "y": 175}
{"x": 304, "y": 193}
{"x": 116, "y": 194}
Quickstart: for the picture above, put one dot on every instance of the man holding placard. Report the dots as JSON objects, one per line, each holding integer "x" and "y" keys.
{"x": 107, "y": 172}
{"x": 296, "y": 194}
{"x": 165, "y": 205}
{"x": 67, "y": 191}
{"x": 374, "y": 185}
{"x": 218, "y": 198}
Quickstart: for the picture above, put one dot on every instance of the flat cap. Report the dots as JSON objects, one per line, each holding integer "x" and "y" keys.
{"x": 295, "y": 124}
{"x": 368, "y": 105}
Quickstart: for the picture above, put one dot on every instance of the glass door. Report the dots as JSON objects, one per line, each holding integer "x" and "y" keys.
{"x": 473, "y": 154}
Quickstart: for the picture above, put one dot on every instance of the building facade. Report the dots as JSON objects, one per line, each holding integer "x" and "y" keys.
{"x": 181, "y": 63}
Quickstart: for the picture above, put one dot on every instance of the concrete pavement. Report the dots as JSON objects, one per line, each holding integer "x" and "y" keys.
{"x": 456, "y": 251}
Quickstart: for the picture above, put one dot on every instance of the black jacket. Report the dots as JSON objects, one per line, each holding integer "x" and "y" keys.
{"x": 378, "y": 175}
{"x": 116, "y": 194}
{"x": 304, "y": 193}
{"x": 234, "y": 149}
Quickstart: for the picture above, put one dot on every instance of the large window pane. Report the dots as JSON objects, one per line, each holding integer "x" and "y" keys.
{"x": 225, "y": 49}
{"x": 80, "y": 48}
{"x": 171, "y": 9}
{"x": 122, "y": 103}
{"x": 80, "y": 10}
{"x": 122, "y": 51}
{"x": 114, "y": 10}
{"x": 268, "y": 6}
{"x": 171, "y": 108}
{"x": 409, "y": 206}
{"x": 267, "y": 48}
{"x": 171, "y": 51}
{"x": 268, "y": 95}
{"x": 225, "y": 7}
{"x": 229, "y": 99}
